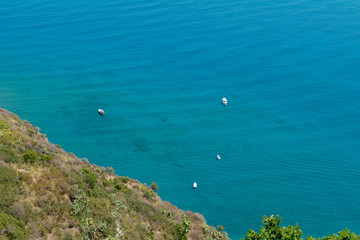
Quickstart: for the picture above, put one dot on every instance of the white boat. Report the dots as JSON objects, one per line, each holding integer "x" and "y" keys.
{"x": 218, "y": 157}
{"x": 224, "y": 101}
{"x": 101, "y": 112}
{"x": 194, "y": 185}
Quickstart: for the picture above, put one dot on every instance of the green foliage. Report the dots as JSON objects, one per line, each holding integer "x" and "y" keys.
{"x": 90, "y": 177}
{"x": 291, "y": 232}
{"x": 10, "y": 186}
{"x": 169, "y": 214}
{"x": 45, "y": 158}
{"x": 273, "y": 231}
{"x": 125, "y": 179}
{"x": 150, "y": 234}
{"x": 212, "y": 234}
{"x": 154, "y": 187}
{"x": 184, "y": 227}
{"x": 8, "y": 154}
{"x": 148, "y": 193}
{"x": 120, "y": 208}
{"x": 80, "y": 207}
{"x": 347, "y": 235}
{"x": 89, "y": 228}
{"x": 29, "y": 156}
{"x": 12, "y": 227}
{"x": 119, "y": 205}
{"x": 4, "y": 125}
{"x": 342, "y": 235}
{"x": 120, "y": 186}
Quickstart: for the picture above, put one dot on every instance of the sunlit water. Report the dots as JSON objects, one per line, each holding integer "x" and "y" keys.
{"x": 289, "y": 138}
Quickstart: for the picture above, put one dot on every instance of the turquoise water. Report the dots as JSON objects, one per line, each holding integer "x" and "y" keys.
{"x": 289, "y": 138}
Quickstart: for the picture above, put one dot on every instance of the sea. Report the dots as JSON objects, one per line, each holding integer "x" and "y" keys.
{"x": 289, "y": 138}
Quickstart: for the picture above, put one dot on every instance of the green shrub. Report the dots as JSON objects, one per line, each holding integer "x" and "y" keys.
{"x": 12, "y": 227}
{"x": 272, "y": 230}
{"x": 8, "y": 154}
{"x": 154, "y": 187}
{"x": 148, "y": 193}
{"x": 29, "y": 156}
{"x": 105, "y": 182}
{"x": 45, "y": 158}
{"x": 4, "y": 125}
{"x": 90, "y": 177}
{"x": 184, "y": 228}
{"x": 9, "y": 188}
{"x": 121, "y": 187}
{"x": 80, "y": 207}
{"x": 119, "y": 205}
{"x": 125, "y": 179}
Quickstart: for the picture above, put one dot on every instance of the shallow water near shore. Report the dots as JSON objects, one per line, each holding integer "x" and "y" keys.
{"x": 289, "y": 138}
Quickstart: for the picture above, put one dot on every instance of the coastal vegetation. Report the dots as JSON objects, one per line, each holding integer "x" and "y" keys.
{"x": 47, "y": 193}
{"x": 273, "y": 231}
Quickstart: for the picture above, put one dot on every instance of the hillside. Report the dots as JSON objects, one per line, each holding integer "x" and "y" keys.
{"x": 47, "y": 193}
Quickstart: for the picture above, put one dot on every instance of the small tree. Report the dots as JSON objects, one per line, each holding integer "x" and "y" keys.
{"x": 273, "y": 231}
{"x": 154, "y": 187}
{"x": 220, "y": 228}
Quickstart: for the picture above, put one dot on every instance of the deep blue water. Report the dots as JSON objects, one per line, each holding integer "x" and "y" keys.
{"x": 289, "y": 137}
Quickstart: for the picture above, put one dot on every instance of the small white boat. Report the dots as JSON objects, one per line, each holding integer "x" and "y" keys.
{"x": 101, "y": 112}
{"x": 224, "y": 101}
{"x": 194, "y": 185}
{"x": 218, "y": 157}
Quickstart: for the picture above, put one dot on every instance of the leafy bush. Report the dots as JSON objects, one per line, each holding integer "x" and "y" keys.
{"x": 212, "y": 234}
{"x": 148, "y": 193}
{"x": 90, "y": 177}
{"x": 154, "y": 187}
{"x": 10, "y": 186}
{"x": 45, "y": 158}
{"x": 12, "y": 227}
{"x": 125, "y": 179}
{"x": 272, "y": 231}
{"x": 119, "y": 205}
{"x": 80, "y": 207}
{"x": 29, "y": 156}
{"x": 4, "y": 125}
{"x": 90, "y": 229}
{"x": 8, "y": 154}
{"x": 184, "y": 228}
